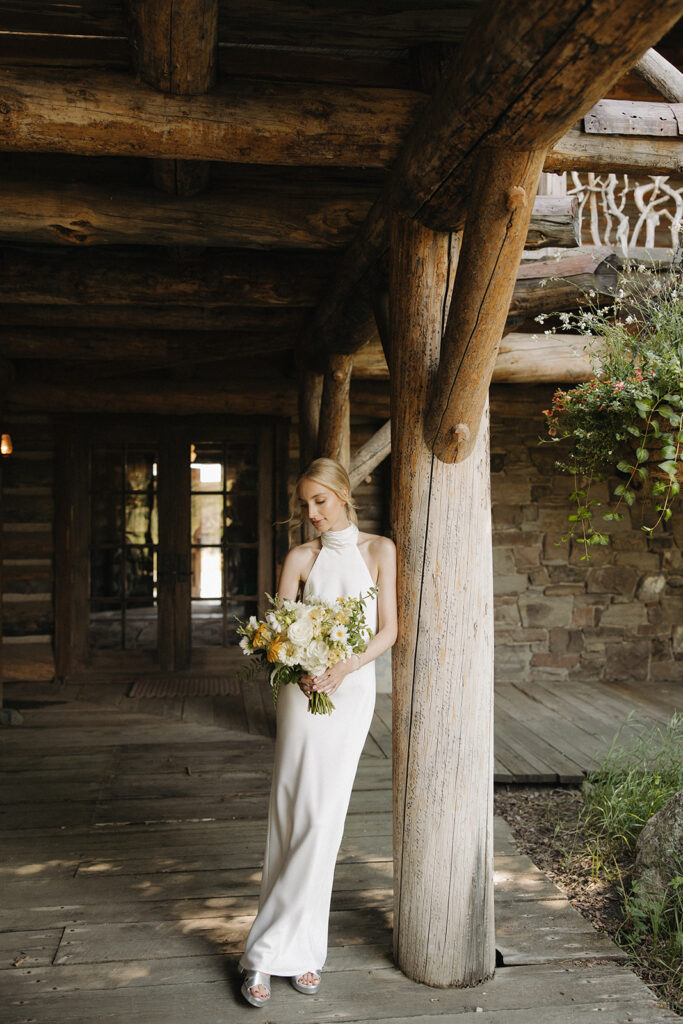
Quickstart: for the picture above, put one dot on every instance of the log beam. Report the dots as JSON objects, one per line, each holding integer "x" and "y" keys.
{"x": 255, "y": 122}
{"x": 442, "y": 663}
{"x": 523, "y": 76}
{"x": 500, "y": 209}
{"x": 618, "y": 154}
{"x": 157, "y": 317}
{"x": 314, "y": 215}
{"x": 369, "y": 456}
{"x": 232, "y": 278}
{"x": 662, "y": 75}
{"x": 334, "y": 433}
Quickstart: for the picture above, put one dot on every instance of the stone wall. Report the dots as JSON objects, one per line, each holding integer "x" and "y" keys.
{"x": 617, "y": 617}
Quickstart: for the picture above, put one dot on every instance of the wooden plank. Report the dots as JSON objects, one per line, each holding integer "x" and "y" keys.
{"x": 382, "y": 996}
{"x": 38, "y": 946}
{"x": 573, "y": 745}
{"x": 621, "y": 117}
{"x": 522, "y": 733}
{"x": 547, "y": 930}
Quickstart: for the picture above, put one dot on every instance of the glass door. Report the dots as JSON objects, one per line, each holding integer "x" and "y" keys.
{"x": 172, "y": 520}
{"x": 124, "y": 545}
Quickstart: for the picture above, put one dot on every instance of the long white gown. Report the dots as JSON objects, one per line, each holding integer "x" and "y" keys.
{"x": 316, "y": 758}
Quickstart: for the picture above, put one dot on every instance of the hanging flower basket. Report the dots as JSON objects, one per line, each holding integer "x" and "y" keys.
{"x": 628, "y": 419}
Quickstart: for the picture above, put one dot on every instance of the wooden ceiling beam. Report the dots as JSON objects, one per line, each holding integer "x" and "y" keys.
{"x": 159, "y": 317}
{"x": 615, "y": 154}
{"x": 140, "y": 347}
{"x": 100, "y": 113}
{"x": 221, "y": 279}
{"x": 306, "y": 215}
{"x": 310, "y": 215}
{"x": 524, "y": 75}
{"x": 253, "y": 122}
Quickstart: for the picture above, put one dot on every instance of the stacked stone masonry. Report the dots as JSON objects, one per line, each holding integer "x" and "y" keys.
{"x": 617, "y": 617}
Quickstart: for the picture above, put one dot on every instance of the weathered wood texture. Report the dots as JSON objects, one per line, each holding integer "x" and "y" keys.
{"x": 505, "y": 183}
{"x": 311, "y": 215}
{"x": 156, "y": 317}
{"x": 334, "y": 428}
{"x": 618, "y": 117}
{"x": 175, "y": 50}
{"x": 227, "y": 279}
{"x": 239, "y": 121}
{"x": 138, "y": 348}
{"x": 443, "y": 660}
{"x": 531, "y": 358}
{"x": 175, "y": 45}
{"x": 489, "y": 97}
{"x": 662, "y": 75}
{"x": 308, "y": 216}
{"x": 374, "y": 451}
{"x": 618, "y": 154}
{"x": 310, "y": 397}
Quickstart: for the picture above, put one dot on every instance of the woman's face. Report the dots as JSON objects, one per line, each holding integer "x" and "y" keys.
{"x": 322, "y": 506}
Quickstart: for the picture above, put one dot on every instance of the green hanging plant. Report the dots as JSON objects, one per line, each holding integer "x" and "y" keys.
{"x": 628, "y": 418}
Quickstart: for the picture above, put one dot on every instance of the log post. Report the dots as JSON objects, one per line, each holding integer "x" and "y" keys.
{"x": 369, "y": 456}
{"x": 176, "y": 52}
{"x": 309, "y": 401}
{"x": 443, "y": 660}
{"x": 504, "y": 186}
{"x": 334, "y": 433}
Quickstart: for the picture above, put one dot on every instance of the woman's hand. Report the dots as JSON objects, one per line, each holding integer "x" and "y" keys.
{"x": 331, "y": 679}
{"x": 305, "y": 684}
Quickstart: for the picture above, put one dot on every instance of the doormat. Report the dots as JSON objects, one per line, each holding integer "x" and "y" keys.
{"x": 184, "y": 686}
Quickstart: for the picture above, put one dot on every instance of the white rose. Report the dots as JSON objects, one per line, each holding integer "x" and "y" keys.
{"x": 301, "y": 631}
{"x": 319, "y": 651}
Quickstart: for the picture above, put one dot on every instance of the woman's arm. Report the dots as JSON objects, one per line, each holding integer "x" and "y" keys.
{"x": 290, "y": 575}
{"x": 387, "y": 613}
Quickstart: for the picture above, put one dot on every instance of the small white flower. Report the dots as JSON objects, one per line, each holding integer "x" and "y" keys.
{"x": 253, "y": 621}
{"x": 339, "y": 633}
{"x": 591, "y": 294}
{"x": 272, "y": 621}
{"x": 629, "y": 320}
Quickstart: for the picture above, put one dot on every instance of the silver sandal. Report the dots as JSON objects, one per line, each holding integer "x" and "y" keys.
{"x": 308, "y": 990}
{"x": 251, "y": 980}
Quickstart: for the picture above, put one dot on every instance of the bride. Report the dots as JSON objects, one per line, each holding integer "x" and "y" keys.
{"x": 316, "y": 756}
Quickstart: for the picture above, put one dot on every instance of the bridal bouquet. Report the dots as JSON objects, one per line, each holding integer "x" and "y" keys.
{"x": 305, "y": 637}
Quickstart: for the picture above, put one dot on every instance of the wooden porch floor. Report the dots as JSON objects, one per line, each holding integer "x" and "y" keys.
{"x": 131, "y": 855}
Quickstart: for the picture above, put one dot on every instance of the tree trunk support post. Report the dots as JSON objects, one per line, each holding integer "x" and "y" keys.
{"x": 443, "y": 660}
{"x": 334, "y": 434}
{"x": 504, "y": 186}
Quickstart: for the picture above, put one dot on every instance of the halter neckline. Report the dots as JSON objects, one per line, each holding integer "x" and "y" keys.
{"x": 337, "y": 539}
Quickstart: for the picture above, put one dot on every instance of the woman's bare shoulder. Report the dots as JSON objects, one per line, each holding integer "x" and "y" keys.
{"x": 381, "y": 547}
{"x": 301, "y": 553}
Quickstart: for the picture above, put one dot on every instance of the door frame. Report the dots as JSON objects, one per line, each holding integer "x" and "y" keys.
{"x": 75, "y": 435}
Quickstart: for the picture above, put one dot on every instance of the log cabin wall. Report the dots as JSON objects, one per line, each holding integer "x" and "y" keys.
{"x": 28, "y": 548}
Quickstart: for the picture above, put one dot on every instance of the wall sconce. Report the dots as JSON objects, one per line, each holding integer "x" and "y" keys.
{"x": 6, "y": 446}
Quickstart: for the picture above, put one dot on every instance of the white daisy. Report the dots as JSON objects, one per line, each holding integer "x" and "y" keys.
{"x": 339, "y": 633}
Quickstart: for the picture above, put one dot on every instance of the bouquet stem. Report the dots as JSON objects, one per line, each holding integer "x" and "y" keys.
{"x": 320, "y": 704}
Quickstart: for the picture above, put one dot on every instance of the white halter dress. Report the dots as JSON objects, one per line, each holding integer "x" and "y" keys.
{"x": 316, "y": 758}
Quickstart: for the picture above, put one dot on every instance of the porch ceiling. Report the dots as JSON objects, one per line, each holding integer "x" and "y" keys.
{"x": 179, "y": 243}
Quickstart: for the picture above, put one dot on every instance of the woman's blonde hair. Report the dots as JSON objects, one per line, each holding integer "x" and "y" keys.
{"x": 331, "y": 474}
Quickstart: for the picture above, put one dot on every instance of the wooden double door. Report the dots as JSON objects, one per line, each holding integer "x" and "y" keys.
{"x": 165, "y": 535}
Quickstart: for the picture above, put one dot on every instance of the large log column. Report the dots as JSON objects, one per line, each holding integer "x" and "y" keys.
{"x": 309, "y": 402}
{"x": 334, "y": 433}
{"x": 443, "y": 660}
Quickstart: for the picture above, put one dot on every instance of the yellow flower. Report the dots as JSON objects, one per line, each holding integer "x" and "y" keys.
{"x": 260, "y": 637}
{"x": 334, "y": 656}
{"x": 275, "y": 649}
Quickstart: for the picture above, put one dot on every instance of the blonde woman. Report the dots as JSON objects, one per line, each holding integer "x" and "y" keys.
{"x": 316, "y": 756}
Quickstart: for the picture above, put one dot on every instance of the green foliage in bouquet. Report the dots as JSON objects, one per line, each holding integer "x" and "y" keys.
{"x": 628, "y": 419}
